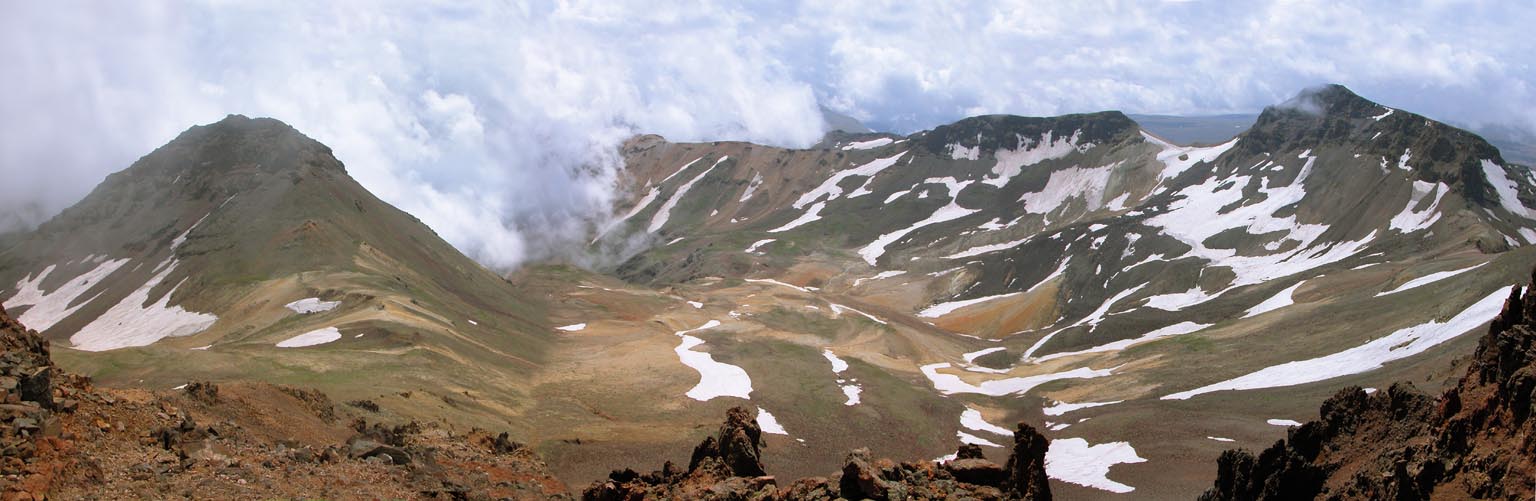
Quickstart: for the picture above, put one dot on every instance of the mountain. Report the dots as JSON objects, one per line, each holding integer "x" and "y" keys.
{"x": 1082, "y": 272}
{"x": 242, "y": 249}
{"x": 1144, "y": 305}
{"x": 1475, "y": 441}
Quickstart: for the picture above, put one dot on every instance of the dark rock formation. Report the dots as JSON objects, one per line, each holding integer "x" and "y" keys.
{"x": 26, "y": 394}
{"x": 1476, "y": 441}
{"x": 727, "y": 466}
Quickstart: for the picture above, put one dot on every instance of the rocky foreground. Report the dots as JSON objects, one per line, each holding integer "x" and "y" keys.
{"x": 62, "y": 438}
{"x": 1476, "y": 441}
{"x": 727, "y": 467}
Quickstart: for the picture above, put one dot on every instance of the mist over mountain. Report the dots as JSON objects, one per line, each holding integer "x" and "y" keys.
{"x": 776, "y": 251}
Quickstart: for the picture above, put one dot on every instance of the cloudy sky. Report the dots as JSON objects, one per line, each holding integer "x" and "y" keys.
{"x": 495, "y": 123}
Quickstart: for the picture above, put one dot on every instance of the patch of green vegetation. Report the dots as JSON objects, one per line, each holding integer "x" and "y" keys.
{"x": 811, "y": 322}
{"x": 1187, "y": 343}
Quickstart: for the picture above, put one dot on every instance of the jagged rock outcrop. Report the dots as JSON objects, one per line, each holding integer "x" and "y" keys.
{"x": 728, "y": 466}
{"x": 1477, "y": 440}
{"x": 26, "y": 398}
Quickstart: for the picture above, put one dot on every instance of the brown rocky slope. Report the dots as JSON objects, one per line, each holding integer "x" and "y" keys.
{"x": 1476, "y": 441}
{"x": 63, "y": 438}
{"x": 727, "y": 466}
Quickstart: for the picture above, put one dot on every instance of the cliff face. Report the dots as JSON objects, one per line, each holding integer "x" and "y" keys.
{"x": 727, "y": 466}
{"x": 1477, "y": 440}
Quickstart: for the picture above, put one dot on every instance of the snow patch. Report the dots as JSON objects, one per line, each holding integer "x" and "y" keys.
{"x": 1507, "y": 190}
{"x": 830, "y": 188}
{"x": 872, "y": 252}
{"x": 946, "y": 308}
{"x": 311, "y": 338}
{"x": 665, "y": 212}
{"x": 768, "y": 423}
{"x": 51, "y": 308}
{"x": 1283, "y": 422}
{"x": 129, "y": 323}
{"x": 572, "y": 327}
{"x": 950, "y": 384}
{"x": 1060, "y": 408}
{"x": 1429, "y": 279}
{"x": 812, "y": 214}
{"x": 1031, "y": 152}
{"x": 1400, "y": 344}
{"x": 868, "y": 145}
{"x": 1072, "y": 460}
{"x": 752, "y": 249}
{"x": 715, "y": 379}
{"x": 312, "y": 305}
{"x": 1279, "y": 300}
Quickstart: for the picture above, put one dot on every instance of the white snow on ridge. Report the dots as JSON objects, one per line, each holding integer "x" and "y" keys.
{"x": 51, "y": 308}
{"x": 1072, "y": 460}
{"x": 1197, "y": 216}
{"x": 665, "y": 212}
{"x": 1429, "y": 279}
{"x": 130, "y": 323}
{"x": 872, "y": 252}
{"x": 1031, "y": 152}
{"x": 1068, "y": 183}
{"x": 1410, "y": 220}
{"x": 812, "y": 214}
{"x": 1173, "y": 165}
{"x": 868, "y": 145}
{"x": 1400, "y": 344}
{"x": 311, "y": 338}
{"x": 311, "y": 305}
{"x": 572, "y": 327}
{"x": 1383, "y": 115}
{"x": 1507, "y": 190}
{"x": 950, "y": 384}
{"x": 941, "y": 309}
{"x": 830, "y": 188}
{"x": 1279, "y": 300}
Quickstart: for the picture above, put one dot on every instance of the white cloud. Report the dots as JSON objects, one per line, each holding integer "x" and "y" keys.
{"x": 497, "y": 125}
